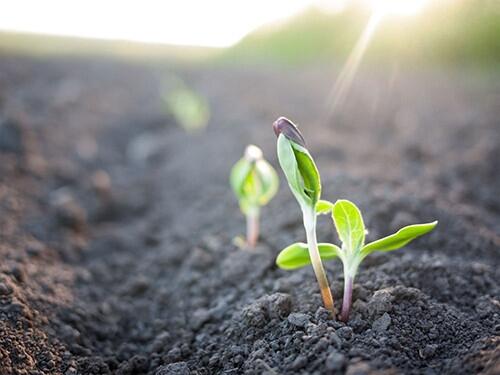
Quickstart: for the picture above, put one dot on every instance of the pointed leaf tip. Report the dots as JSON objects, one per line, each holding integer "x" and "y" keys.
{"x": 289, "y": 130}
{"x": 399, "y": 239}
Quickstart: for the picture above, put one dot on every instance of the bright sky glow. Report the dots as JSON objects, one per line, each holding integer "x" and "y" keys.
{"x": 216, "y": 23}
{"x": 398, "y": 7}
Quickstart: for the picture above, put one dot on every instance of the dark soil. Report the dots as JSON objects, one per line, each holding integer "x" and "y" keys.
{"x": 116, "y": 226}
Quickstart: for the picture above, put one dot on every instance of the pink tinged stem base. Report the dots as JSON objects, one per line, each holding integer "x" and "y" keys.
{"x": 347, "y": 301}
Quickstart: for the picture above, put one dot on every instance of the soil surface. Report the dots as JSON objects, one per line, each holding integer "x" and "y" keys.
{"x": 117, "y": 226}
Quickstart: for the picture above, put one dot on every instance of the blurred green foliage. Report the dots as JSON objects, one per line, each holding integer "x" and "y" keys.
{"x": 458, "y": 32}
{"x": 190, "y": 109}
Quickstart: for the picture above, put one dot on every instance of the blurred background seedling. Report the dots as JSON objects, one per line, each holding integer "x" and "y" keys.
{"x": 189, "y": 108}
{"x": 254, "y": 182}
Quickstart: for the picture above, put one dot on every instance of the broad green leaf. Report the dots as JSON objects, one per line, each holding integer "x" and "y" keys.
{"x": 398, "y": 239}
{"x": 324, "y": 207}
{"x": 300, "y": 171}
{"x": 297, "y": 255}
{"x": 349, "y": 224}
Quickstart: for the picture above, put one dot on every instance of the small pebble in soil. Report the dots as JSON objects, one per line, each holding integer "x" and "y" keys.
{"x": 381, "y": 302}
{"x": 335, "y": 361}
{"x": 276, "y": 305}
{"x": 322, "y": 314}
{"x": 280, "y": 305}
{"x": 403, "y": 293}
{"x": 382, "y": 323}
{"x": 298, "y": 319}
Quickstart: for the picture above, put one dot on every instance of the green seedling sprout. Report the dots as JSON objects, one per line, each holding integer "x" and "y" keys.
{"x": 304, "y": 181}
{"x": 254, "y": 182}
{"x": 190, "y": 109}
{"x": 351, "y": 231}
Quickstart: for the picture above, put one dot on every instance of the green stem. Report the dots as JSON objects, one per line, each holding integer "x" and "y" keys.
{"x": 319, "y": 271}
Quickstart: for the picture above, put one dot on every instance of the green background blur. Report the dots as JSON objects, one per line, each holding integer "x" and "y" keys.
{"x": 460, "y": 32}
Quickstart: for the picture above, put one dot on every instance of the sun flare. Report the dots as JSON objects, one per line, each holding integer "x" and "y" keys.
{"x": 398, "y": 7}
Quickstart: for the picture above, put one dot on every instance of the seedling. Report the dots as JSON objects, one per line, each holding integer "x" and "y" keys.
{"x": 304, "y": 181}
{"x": 190, "y": 109}
{"x": 254, "y": 182}
{"x": 351, "y": 231}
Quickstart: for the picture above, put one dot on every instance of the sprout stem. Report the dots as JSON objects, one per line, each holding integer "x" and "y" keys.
{"x": 347, "y": 301}
{"x": 252, "y": 227}
{"x": 319, "y": 271}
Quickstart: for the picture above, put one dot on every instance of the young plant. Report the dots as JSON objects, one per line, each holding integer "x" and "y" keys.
{"x": 351, "y": 231}
{"x": 254, "y": 182}
{"x": 304, "y": 181}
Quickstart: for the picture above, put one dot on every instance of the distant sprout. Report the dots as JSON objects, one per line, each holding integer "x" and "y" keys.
{"x": 190, "y": 109}
{"x": 254, "y": 182}
{"x": 351, "y": 231}
{"x": 304, "y": 181}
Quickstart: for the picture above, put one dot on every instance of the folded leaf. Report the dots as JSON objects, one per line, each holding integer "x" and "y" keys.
{"x": 349, "y": 224}
{"x": 269, "y": 181}
{"x": 309, "y": 173}
{"x": 323, "y": 207}
{"x": 300, "y": 171}
{"x": 288, "y": 163}
{"x": 398, "y": 239}
{"x": 297, "y": 255}
{"x": 254, "y": 182}
{"x": 239, "y": 173}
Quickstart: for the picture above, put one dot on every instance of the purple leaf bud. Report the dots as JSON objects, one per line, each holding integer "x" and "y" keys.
{"x": 289, "y": 130}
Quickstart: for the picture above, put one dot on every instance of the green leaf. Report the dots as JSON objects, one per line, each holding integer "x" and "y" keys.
{"x": 254, "y": 182}
{"x": 300, "y": 171}
{"x": 190, "y": 109}
{"x": 297, "y": 255}
{"x": 349, "y": 224}
{"x": 324, "y": 207}
{"x": 269, "y": 181}
{"x": 399, "y": 239}
{"x": 239, "y": 174}
{"x": 308, "y": 172}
